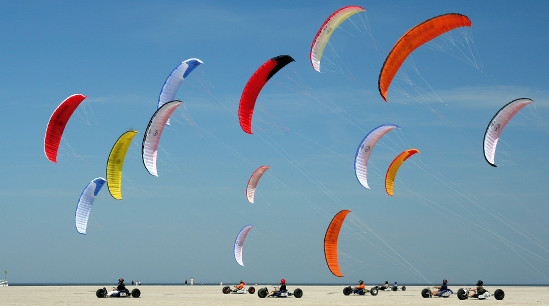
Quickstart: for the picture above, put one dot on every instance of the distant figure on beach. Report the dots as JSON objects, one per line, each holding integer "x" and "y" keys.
{"x": 360, "y": 287}
{"x": 192, "y": 281}
{"x": 139, "y": 283}
{"x": 185, "y": 282}
{"x": 133, "y": 282}
{"x": 475, "y": 292}
{"x": 441, "y": 288}
{"x": 280, "y": 289}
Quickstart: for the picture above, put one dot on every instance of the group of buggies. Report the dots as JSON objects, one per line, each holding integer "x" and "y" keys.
{"x": 436, "y": 291}
{"x": 361, "y": 289}
{"x": 463, "y": 293}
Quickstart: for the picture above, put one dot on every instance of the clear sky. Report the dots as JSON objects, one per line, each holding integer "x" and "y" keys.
{"x": 453, "y": 215}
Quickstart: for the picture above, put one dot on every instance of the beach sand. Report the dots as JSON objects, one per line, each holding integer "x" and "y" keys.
{"x": 212, "y": 295}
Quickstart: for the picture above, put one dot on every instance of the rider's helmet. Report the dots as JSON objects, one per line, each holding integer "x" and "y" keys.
{"x": 241, "y": 281}
{"x": 479, "y": 283}
{"x": 445, "y": 281}
{"x": 120, "y": 280}
{"x": 282, "y": 281}
{"x": 361, "y": 282}
{"x": 386, "y": 282}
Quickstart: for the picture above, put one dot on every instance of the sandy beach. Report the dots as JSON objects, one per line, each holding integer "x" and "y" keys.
{"x": 212, "y": 295}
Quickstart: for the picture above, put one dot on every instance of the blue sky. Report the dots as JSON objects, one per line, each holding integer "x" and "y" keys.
{"x": 453, "y": 216}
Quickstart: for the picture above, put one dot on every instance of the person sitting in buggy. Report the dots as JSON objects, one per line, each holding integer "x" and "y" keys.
{"x": 120, "y": 288}
{"x": 239, "y": 286}
{"x": 360, "y": 288}
{"x": 385, "y": 286}
{"x": 441, "y": 289}
{"x": 479, "y": 290}
{"x": 279, "y": 290}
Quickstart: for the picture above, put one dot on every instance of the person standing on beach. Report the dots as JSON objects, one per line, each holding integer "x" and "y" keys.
{"x": 185, "y": 282}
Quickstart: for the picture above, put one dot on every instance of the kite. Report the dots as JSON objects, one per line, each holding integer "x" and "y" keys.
{"x": 365, "y": 149}
{"x": 239, "y": 243}
{"x": 115, "y": 163}
{"x": 85, "y": 203}
{"x": 57, "y": 123}
{"x": 413, "y": 39}
{"x": 326, "y": 31}
{"x": 330, "y": 242}
{"x": 254, "y": 86}
{"x": 149, "y": 148}
{"x": 393, "y": 168}
{"x": 496, "y": 125}
{"x": 252, "y": 182}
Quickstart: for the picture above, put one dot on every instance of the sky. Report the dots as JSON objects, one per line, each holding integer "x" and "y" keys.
{"x": 452, "y": 216}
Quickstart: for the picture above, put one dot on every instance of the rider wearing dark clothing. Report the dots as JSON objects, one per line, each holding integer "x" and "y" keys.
{"x": 441, "y": 288}
{"x": 384, "y": 286}
{"x": 121, "y": 287}
{"x": 478, "y": 291}
{"x": 280, "y": 289}
{"x": 444, "y": 285}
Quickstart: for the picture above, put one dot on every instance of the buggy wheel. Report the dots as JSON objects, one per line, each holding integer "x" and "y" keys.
{"x": 394, "y": 288}
{"x": 298, "y": 293}
{"x": 426, "y": 293}
{"x": 262, "y": 292}
{"x": 347, "y": 290}
{"x": 136, "y": 293}
{"x": 403, "y": 288}
{"x": 101, "y": 293}
{"x": 251, "y": 290}
{"x": 499, "y": 294}
{"x": 462, "y": 294}
{"x": 373, "y": 291}
{"x": 226, "y": 290}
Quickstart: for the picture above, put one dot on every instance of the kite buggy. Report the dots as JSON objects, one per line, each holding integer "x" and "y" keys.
{"x": 360, "y": 289}
{"x": 479, "y": 293}
{"x": 118, "y": 291}
{"x": 103, "y": 293}
{"x": 240, "y": 289}
{"x": 280, "y": 292}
